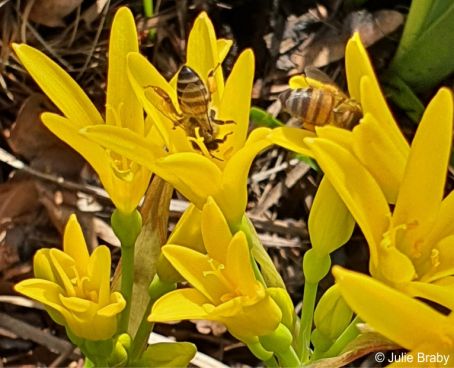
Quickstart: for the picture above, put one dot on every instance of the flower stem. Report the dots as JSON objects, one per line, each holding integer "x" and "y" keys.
{"x": 126, "y": 227}
{"x": 307, "y": 313}
{"x": 289, "y": 358}
{"x": 156, "y": 289}
{"x": 271, "y": 363}
{"x": 127, "y": 282}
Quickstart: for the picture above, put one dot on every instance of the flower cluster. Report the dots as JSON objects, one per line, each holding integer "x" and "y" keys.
{"x": 192, "y": 132}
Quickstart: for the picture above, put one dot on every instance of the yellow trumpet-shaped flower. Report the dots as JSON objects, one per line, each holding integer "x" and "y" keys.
{"x": 125, "y": 181}
{"x": 195, "y": 170}
{"x": 224, "y": 287}
{"x": 425, "y": 332}
{"x": 203, "y": 114}
{"x": 376, "y": 141}
{"x": 411, "y": 247}
{"x": 75, "y": 286}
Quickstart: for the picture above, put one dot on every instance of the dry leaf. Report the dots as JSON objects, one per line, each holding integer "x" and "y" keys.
{"x": 51, "y": 12}
{"x": 328, "y": 45}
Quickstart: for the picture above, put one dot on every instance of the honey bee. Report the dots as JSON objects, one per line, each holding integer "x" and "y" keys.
{"x": 197, "y": 117}
{"x": 320, "y": 103}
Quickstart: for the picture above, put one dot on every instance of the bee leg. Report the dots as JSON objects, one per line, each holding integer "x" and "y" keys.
{"x": 223, "y": 139}
{"x": 218, "y": 121}
{"x": 178, "y": 122}
{"x": 164, "y": 103}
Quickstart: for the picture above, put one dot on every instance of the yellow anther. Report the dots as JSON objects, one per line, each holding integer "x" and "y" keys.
{"x": 435, "y": 258}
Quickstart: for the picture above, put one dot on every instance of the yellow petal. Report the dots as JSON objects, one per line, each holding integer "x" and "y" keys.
{"x": 197, "y": 269}
{"x": 42, "y": 268}
{"x": 67, "y": 131}
{"x": 291, "y": 139}
{"x": 64, "y": 267}
{"x": 125, "y": 142}
{"x": 359, "y": 191}
{"x": 187, "y": 232}
{"x": 117, "y": 304}
{"x": 58, "y": 86}
{"x": 142, "y": 76}
{"x": 203, "y": 55}
{"x": 239, "y": 266}
{"x": 99, "y": 273}
{"x": 215, "y": 230}
{"x": 75, "y": 304}
{"x": 444, "y": 226}
{"x": 330, "y": 222}
{"x": 236, "y": 102}
{"x": 246, "y": 322}
{"x": 426, "y": 168}
{"x": 374, "y": 103}
{"x": 395, "y": 315}
{"x": 224, "y": 46}
{"x": 357, "y": 65}
{"x": 342, "y": 137}
{"x": 374, "y": 148}
{"x": 298, "y": 81}
{"x": 440, "y": 264}
{"x": 74, "y": 244}
{"x": 233, "y": 198}
{"x": 178, "y": 305}
{"x": 439, "y": 294}
{"x": 193, "y": 175}
{"x": 393, "y": 265}
{"x": 120, "y": 96}
{"x": 43, "y": 291}
{"x": 363, "y": 87}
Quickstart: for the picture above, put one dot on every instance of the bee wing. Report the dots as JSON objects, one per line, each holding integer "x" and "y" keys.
{"x": 319, "y": 79}
{"x": 314, "y": 73}
{"x": 162, "y": 101}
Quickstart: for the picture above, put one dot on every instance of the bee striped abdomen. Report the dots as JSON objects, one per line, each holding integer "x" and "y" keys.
{"x": 193, "y": 96}
{"x": 312, "y": 105}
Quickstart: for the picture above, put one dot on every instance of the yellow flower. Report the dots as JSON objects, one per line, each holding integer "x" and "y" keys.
{"x": 411, "y": 248}
{"x": 427, "y": 333}
{"x": 75, "y": 286}
{"x": 224, "y": 287}
{"x": 196, "y": 173}
{"x": 125, "y": 181}
{"x": 376, "y": 141}
{"x": 229, "y": 101}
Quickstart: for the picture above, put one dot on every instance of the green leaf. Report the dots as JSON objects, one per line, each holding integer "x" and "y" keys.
{"x": 307, "y": 160}
{"x": 260, "y": 118}
{"x": 167, "y": 354}
{"x": 402, "y": 96}
{"x": 425, "y": 55}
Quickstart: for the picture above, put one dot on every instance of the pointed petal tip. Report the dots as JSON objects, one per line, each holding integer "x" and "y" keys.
{"x": 202, "y": 16}
{"x": 16, "y": 46}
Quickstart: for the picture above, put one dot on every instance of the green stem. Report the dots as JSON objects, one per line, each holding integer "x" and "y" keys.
{"x": 289, "y": 358}
{"x": 140, "y": 340}
{"x": 346, "y": 337}
{"x": 156, "y": 289}
{"x": 271, "y": 363}
{"x": 127, "y": 283}
{"x": 126, "y": 227}
{"x": 148, "y": 8}
{"x": 307, "y": 313}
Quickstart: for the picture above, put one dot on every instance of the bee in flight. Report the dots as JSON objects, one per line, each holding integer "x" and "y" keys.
{"x": 321, "y": 102}
{"x": 197, "y": 117}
